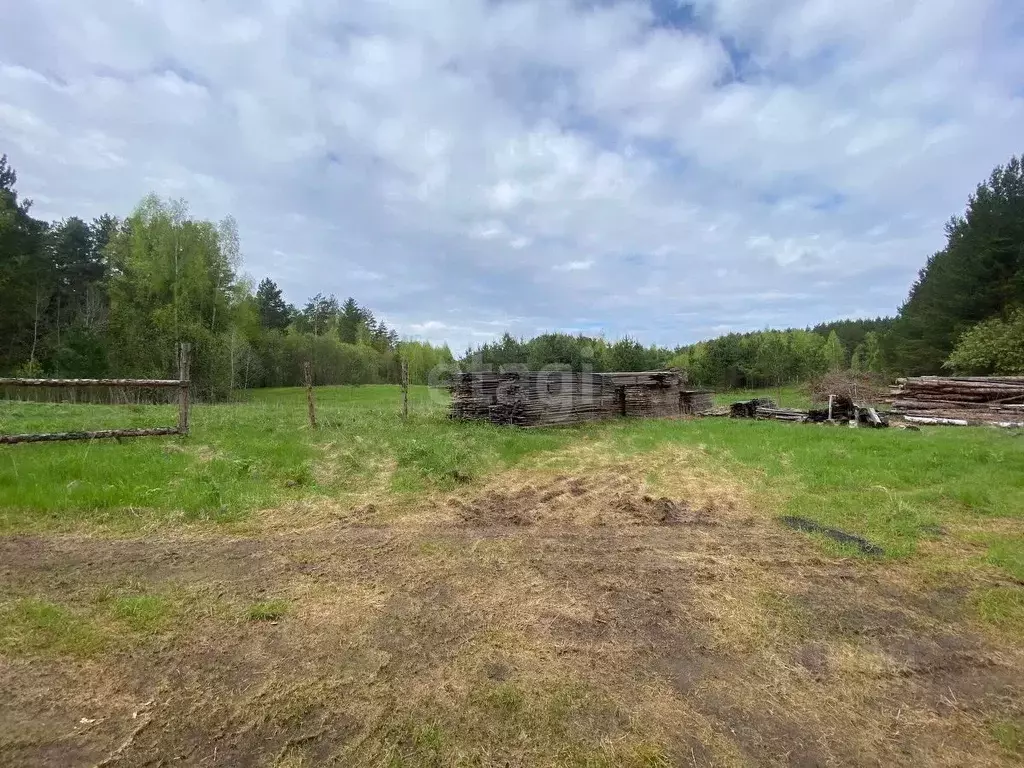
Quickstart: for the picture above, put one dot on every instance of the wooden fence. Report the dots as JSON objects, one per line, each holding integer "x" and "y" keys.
{"x": 181, "y": 384}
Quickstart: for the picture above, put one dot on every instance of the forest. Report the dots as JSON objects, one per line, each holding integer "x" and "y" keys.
{"x": 114, "y": 295}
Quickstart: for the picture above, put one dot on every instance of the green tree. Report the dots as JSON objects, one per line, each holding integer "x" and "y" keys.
{"x": 351, "y": 318}
{"x": 977, "y": 276}
{"x": 172, "y": 279}
{"x": 272, "y": 310}
{"x": 835, "y": 355}
{"x": 995, "y": 346}
{"x": 25, "y": 275}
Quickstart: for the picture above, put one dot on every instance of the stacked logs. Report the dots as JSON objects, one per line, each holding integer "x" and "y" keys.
{"x": 694, "y": 402}
{"x": 533, "y": 398}
{"x": 747, "y": 409}
{"x": 651, "y": 394}
{"x": 547, "y": 398}
{"x": 970, "y": 399}
{"x": 473, "y": 394}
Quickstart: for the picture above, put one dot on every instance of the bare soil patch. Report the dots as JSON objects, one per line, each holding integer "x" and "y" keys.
{"x": 589, "y": 618}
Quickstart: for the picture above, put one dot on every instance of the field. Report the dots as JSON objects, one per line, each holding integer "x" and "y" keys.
{"x": 433, "y": 593}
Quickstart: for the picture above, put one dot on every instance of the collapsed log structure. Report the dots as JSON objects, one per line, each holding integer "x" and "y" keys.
{"x": 841, "y": 410}
{"x": 993, "y": 400}
{"x": 549, "y": 398}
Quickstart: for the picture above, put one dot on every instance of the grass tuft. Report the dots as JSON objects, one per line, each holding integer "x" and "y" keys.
{"x": 34, "y": 626}
{"x": 1009, "y": 735}
{"x": 1002, "y": 607}
{"x": 142, "y": 613}
{"x": 267, "y": 610}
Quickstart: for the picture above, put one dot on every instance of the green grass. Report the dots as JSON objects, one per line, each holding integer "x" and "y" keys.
{"x": 1010, "y": 736}
{"x": 1003, "y": 607}
{"x": 789, "y": 396}
{"x": 34, "y": 626}
{"x": 893, "y": 487}
{"x": 267, "y": 610}
{"x": 143, "y": 613}
{"x": 241, "y": 457}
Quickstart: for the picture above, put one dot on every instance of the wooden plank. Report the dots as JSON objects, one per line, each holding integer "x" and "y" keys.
{"x": 405, "y": 389}
{"x": 151, "y": 383}
{"x": 184, "y": 387}
{"x": 96, "y": 435}
{"x": 307, "y": 370}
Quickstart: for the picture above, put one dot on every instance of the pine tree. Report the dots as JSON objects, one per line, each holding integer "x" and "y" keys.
{"x": 274, "y": 313}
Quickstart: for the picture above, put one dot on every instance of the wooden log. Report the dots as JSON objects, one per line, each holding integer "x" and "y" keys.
{"x": 95, "y": 435}
{"x": 307, "y": 370}
{"x": 184, "y": 387}
{"x": 151, "y": 383}
{"x": 405, "y": 389}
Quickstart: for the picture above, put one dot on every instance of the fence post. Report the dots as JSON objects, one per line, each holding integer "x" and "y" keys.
{"x": 307, "y": 370}
{"x": 405, "y": 389}
{"x": 184, "y": 398}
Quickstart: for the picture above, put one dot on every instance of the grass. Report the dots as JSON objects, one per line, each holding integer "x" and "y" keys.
{"x": 267, "y": 610}
{"x": 1002, "y": 607}
{"x": 788, "y": 396}
{"x": 894, "y": 488}
{"x": 242, "y": 457}
{"x": 36, "y": 626}
{"x": 435, "y": 593}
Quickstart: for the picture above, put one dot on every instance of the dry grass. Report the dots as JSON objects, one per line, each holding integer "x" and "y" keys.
{"x": 589, "y": 608}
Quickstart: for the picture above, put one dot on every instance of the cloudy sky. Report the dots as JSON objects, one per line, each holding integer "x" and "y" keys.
{"x": 669, "y": 169}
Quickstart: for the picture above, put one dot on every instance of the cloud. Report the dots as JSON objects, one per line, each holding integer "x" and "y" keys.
{"x": 575, "y": 266}
{"x": 528, "y": 163}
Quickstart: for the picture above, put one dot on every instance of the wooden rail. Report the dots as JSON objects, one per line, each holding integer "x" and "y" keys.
{"x": 138, "y": 383}
{"x": 53, "y": 437}
{"x": 182, "y": 384}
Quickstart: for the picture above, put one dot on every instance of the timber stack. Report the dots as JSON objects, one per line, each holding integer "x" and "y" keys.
{"x": 651, "y": 394}
{"x": 997, "y": 400}
{"x": 549, "y": 398}
{"x": 697, "y": 402}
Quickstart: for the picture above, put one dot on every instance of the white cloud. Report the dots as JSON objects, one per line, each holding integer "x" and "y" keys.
{"x": 575, "y": 266}
{"x": 531, "y": 161}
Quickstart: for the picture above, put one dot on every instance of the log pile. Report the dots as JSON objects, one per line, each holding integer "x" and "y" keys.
{"x": 696, "y": 402}
{"x": 651, "y": 395}
{"x": 473, "y": 394}
{"x": 533, "y": 398}
{"x": 541, "y": 399}
{"x": 548, "y": 398}
{"x": 747, "y": 409}
{"x": 781, "y": 414}
{"x": 842, "y": 410}
{"x": 997, "y": 400}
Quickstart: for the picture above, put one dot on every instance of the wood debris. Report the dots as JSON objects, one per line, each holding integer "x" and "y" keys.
{"x": 960, "y": 401}
{"x": 841, "y": 410}
{"x": 547, "y": 398}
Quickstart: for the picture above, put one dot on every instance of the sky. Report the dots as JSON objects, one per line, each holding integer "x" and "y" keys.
{"x": 668, "y": 170}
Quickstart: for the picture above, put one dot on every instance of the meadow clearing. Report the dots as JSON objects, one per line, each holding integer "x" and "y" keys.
{"x": 433, "y": 593}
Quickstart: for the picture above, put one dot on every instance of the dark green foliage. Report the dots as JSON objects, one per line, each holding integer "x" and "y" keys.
{"x": 995, "y": 346}
{"x": 977, "y": 276}
{"x": 115, "y": 296}
{"x": 275, "y": 314}
{"x": 563, "y": 351}
{"x": 84, "y": 300}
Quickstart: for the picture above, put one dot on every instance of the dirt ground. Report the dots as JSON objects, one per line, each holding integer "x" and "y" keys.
{"x": 553, "y": 618}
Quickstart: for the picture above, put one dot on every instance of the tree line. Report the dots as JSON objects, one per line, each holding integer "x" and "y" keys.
{"x": 760, "y": 359}
{"x": 114, "y": 297}
{"x": 964, "y": 315}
